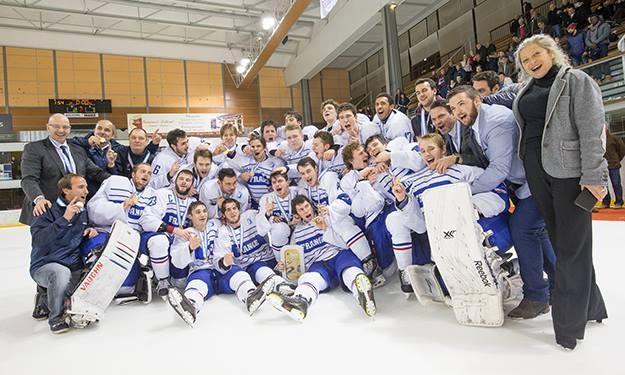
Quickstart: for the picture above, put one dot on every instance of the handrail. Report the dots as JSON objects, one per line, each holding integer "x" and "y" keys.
{"x": 367, "y": 95}
{"x": 601, "y": 60}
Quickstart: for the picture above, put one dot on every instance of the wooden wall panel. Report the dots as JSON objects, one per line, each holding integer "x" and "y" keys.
{"x": 1, "y": 80}
{"x": 78, "y": 75}
{"x": 335, "y": 85}
{"x": 30, "y": 74}
{"x": 274, "y": 93}
{"x": 297, "y": 98}
{"x": 124, "y": 82}
{"x": 205, "y": 86}
{"x": 275, "y": 114}
{"x": 245, "y": 101}
{"x": 316, "y": 97}
{"x": 166, "y": 83}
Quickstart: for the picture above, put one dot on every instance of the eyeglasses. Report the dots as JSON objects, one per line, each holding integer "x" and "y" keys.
{"x": 57, "y": 126}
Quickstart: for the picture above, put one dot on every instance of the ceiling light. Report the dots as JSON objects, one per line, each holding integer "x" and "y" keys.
{"x": 393, "y": 6}
{"x": 268, "y": 22}
{"x": 240, "y": 69}
{"x": 245, "y": 61}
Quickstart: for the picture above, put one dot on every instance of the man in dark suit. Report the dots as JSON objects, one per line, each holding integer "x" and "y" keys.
{"x": 45, "y": 162}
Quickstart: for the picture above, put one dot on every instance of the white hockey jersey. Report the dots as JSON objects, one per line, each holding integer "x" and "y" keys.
{"x": 367, "y": 203}
{"x": 168, "y": 209}
{"x": 106, "y": 206}
{"x": 366, "y": 130}
{"x": 211, "y": 191}
{"x": 245, "y": 242}
{"x": 282, "y": 207}
{"x": 165, "y": 159}
{"x": 336, "y": 165}
{"x": 396, "y": 125}
{"x": 203, "y": 256}
{"x": 259, "y": 184}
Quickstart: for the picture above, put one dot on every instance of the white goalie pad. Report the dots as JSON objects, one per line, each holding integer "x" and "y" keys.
{"x": 456, "y": 242}
{"x": 424, "y": 283}
{"x": 98, "y": 286}
{"x": 294, "y": 264}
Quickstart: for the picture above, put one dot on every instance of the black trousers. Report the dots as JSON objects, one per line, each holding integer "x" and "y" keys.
{"x": 576, "y": 298}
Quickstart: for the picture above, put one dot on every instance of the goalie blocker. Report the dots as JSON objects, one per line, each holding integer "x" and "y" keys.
{"x": 475, "y": 276}
{"x": 99, "y": 285}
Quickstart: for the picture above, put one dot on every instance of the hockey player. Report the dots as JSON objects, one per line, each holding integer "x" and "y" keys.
{"x": 328, "y": 264}
{"x": 329, "y": 109}
{"x": 228, "y": 145}
{"x": 203, "y": 169}
{"x": 409, "y": 216}
{"x": 323, "y": 189}
{"x": 296, "y": 118}
{"x": 226, "y": 186}
{"x": 204, "y": 281}
{"x": 241, "y": 243}
{"x": 120, "y": 198}
{"x": 168, "y": 162}
{"x": 368, "y": 204}
{"x": 255, "y": 168}
{"x": 326, "y": 154}
{"x": 392, "y": 123}
{"x": 293, "y": 149}
{"x": 353, "y": 130}
{"x": 278, "y": 209}
{"x": 161, "y": 222}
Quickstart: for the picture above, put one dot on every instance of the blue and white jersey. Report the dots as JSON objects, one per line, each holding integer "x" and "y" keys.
{"x": 201, "y": 257}
{"x": 325, "y": 192}
{"x": 396, "y": 125}
{"x": 282, "y": 206}
{"x": 211, "y": 192}
{"x": 168, "y": 209}
{"x": 291, "y": 157}
{"x": 198, "y": 181}
{"x": 106, "y": 206}
{"x": 317, "y": 244}
{"x": 365, "y": 130}
{"x": 247, "y": 245}
{"x": 164, "y": 160}
{"x": 336, "y": 165}
{"x": 259, "y": 183}
{"x": 367, "y": 203}
{"x": 221, "y": 158}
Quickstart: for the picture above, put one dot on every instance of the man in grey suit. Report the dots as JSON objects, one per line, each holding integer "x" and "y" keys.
{"x": 44, "y": 162}
{"x": 493, "y": 136}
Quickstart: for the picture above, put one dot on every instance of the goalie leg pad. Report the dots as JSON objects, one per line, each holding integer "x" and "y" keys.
{"x": 424, "y": 283}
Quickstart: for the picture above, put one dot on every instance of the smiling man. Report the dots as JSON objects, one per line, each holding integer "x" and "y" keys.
{"x": 392, "y": 123}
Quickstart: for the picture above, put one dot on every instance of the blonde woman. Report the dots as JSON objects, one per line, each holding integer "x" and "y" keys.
{"x": 560, "y": 116}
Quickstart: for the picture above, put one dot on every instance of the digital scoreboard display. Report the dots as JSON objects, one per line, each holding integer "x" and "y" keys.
{"x": 78, "y": 106}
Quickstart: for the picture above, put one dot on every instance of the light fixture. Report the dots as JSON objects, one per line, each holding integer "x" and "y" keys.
{"x": 240, "y": 69}
{"x": 268, "y": 22}
{"x": 392, "y": 6}
{"x": 245, "y": 61}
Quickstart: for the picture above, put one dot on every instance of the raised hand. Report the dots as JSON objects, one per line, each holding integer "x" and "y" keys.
{"x": 399, "y": 190}
{"x": 156, "y": 138}
{"x": 194, "y": 242}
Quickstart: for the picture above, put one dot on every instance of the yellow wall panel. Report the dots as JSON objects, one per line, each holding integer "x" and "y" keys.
{"x": 1, "y": 78}
{"x": 205, "y": 86}
{"x": 30, "y": 74}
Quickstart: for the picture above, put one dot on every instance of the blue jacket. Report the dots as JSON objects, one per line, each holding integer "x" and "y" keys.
{"x": 577, "y": 43}
{"x": 97, "y": 155}
{"x": 55, "y": 240}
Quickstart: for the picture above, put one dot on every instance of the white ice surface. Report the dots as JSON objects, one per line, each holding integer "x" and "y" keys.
{"x": 336, "y": 338}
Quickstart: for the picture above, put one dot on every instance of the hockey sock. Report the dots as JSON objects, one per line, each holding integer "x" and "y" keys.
{"x": 402, "y": 248}
{"x": 359, "y": 245}
{"x": 262, "y": 273}
{"x": 348, "y": 276}
{"x": 196, "y": 291}
{"x": 158, "y": 246}
{"x": 310, "y": 285}
{"x": 242, "y": 285}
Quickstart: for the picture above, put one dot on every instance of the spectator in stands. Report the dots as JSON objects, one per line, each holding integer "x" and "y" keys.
{"x": 614, "y": 153}
{"x": 554, "y": 20}
{"x": 606, "y": 10}
{"x": 401, "y": 101}
{"x": 493, "y": 61}
{"x": 545, "y": 29}
{"x": 486, "y": 83}
{"x": 441, "y": 83}
{"x": 514, "y": 44}
{"x": 619, "y": 12}
{"x": 576, "y": 44}
{"x": 456, "y": 82}
{"x": 505, "y": 80}
{"x": 506, "y": 66}
{"x": 481, "y": 55}
{"x": 369, "y": 112}
{"x": 514, "y": 25}
{"x": 467, "y": 67}
{"x": 574, "y": 17}
{"x": 527, "y": 9}
{"x": 523, "y": 32}
{"x": 597, "y": 41}
{"x": 532, "y": 23}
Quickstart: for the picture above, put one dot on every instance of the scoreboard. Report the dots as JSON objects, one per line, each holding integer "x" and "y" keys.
{"x": 80, "y": 106}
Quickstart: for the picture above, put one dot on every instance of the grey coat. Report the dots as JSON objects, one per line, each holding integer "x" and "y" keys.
{"x": 42, "y": 168}
{"x": 571, "y": 143}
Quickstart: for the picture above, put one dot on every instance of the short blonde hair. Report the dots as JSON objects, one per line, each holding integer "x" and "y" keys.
{"x": 558, "y": 56}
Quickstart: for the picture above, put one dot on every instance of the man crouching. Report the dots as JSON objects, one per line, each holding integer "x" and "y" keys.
{"x": 57, "y": 236}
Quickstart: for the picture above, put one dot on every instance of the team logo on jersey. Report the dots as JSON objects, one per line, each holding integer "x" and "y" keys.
{"x": 151, "y": 201}
{"x": 448, "y": 235}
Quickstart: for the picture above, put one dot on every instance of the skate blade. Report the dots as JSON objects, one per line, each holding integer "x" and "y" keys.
{"x": 365, "y": 295}
{"x": 278, "y": 303}
{"x": 175, "y": 301}
{"x": 267, "y": 288}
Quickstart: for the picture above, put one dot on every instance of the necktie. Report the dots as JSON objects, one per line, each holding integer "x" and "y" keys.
{"x": 67, "y": 161}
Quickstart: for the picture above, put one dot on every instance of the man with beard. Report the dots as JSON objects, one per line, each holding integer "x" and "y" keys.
{"x": 124, "y": 199}
{"x": 138, "y": 151}
{"x": 255, "y": 169}
{"x": 452, "y": 131}
{"x": 425, "y": 91}
{"x": 57, "y": 236}
{"x": 392, "y": 123}
{"x": 493, "y": 136}
{"x": 203, "y": 169}
{"x": 214, "y": 192}
{"x": 277, "y": 209}
{"x": 322, "y": 145}
{"x": 162, "y": 221}
{"x": 168, "y": 162}
{"x": 241, "y": 245}
{"x": 328, "y": 264}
